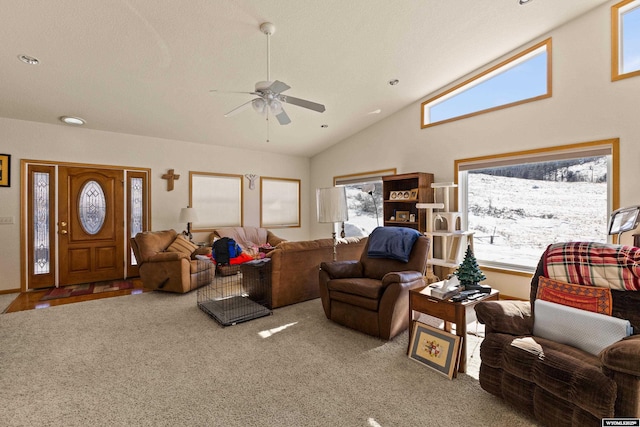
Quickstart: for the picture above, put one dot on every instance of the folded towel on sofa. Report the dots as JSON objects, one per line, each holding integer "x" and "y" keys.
{"x": 392, "y": 242}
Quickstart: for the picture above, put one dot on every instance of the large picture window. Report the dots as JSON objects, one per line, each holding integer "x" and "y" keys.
{"x": 518, "y": 203}
{"x": 625, "y": 39}
{"x": 279, "y": 202}
{"x": 522, "y": 78}
{"x": 364, "y": 201}
{"x": 217, "y": 200}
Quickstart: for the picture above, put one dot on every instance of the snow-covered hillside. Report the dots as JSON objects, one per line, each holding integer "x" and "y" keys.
{"x": 524, "y": 216}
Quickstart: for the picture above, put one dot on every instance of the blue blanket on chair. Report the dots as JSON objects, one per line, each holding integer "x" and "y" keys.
{"x": 392, "y": 242}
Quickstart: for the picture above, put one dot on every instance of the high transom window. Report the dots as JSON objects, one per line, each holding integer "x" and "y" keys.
{"x": 522, "y": 78}
{"x": 519, "y": 203}
{"x": 625, "y": 39}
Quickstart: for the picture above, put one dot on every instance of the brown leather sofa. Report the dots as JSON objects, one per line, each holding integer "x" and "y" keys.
{"x": 556, "y": 383}
{"x": 294, "y": 265}
{"x": 172, "y": 270}
{"x": 371, "y": 295}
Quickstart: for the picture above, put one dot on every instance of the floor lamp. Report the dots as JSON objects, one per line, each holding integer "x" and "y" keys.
{"x": 188, "y": 215}
{"x": 332, "y": 207}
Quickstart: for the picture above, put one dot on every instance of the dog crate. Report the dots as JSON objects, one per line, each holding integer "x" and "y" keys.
{"x": 238, "y": 297}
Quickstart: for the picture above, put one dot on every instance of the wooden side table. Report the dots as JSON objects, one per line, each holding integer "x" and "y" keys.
{"x": 420, "y": 300}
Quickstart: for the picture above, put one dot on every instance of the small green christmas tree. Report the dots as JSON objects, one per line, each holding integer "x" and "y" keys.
{"x": 469, "y": 273}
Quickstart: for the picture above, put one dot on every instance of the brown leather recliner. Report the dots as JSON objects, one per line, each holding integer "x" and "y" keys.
{"x": 169, "y": 271}
{"x": 372, "y": 295}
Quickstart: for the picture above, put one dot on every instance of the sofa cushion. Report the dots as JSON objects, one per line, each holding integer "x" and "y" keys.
{"x": 368, "y": 288}
{"x": 588, "y": 298}
{"x": 299, "y": 246}
{"x": 591, "y": 332}
{"x": 182, "y": 245}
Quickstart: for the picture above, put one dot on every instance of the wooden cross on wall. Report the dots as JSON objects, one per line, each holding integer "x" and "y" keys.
{"x": 170, "y": 177}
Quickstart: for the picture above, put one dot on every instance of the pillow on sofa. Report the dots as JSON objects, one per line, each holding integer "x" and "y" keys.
{"x": 182, "y": 245}
{"x": 588, "y": 298}
{"x": 591, "y": 332}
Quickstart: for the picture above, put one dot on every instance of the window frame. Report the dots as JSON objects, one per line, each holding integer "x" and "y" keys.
{"x": 203, "y": 224}
{"x": 613, "y": 182}
{"x": 487, "y": 74}
{"x": 264, "y": 181}
{"x": 616, "y": 54}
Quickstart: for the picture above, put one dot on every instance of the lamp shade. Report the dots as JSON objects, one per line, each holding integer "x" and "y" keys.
{"x": 332, "y": 204}
{"x": 188, "y": 215}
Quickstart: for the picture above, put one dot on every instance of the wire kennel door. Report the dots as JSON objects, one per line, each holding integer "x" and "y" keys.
{"x": 239, "y": 297}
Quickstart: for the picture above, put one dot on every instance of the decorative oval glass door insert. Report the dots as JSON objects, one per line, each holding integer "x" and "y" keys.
{"x": 92, "y": 207}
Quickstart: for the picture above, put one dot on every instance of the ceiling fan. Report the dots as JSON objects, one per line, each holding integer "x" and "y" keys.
{"x": 269, "y": 98}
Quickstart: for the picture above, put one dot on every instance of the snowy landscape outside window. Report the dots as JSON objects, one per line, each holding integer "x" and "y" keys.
{"x": 519, "y": 204}
{"x": 364, "y": 200}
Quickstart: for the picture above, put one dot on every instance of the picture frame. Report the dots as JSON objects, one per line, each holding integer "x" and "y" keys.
{"x": 413, "y": 195}
{"x": 402, "y": 216}
{"x": 5, "y": 170}
{"x": 435, "y": 348}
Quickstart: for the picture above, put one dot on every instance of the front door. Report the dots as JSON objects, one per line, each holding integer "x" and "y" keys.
{"x": 90, "y": 224}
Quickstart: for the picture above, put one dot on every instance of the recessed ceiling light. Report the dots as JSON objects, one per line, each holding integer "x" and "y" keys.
{"x": 394, "y": 82}
{"x": 28, "y": 59}
{"x": 75, "y": 121}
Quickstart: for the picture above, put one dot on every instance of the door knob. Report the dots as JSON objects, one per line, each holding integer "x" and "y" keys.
{"x": 63, "y": 231}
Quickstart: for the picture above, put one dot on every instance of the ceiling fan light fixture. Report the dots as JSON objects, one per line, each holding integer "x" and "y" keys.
{"x": 276, "y": 107}
{"x": 258, "y": 105}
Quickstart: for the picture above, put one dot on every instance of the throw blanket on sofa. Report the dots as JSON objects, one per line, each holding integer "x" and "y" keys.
{"x": 392, "y": 242}
{"x": 594, "y": 264}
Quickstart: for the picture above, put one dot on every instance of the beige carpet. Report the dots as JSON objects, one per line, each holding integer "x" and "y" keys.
{"x": 156, "y": 360}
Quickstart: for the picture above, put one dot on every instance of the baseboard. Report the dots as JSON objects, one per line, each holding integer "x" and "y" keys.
{"x": 10, "y": 291}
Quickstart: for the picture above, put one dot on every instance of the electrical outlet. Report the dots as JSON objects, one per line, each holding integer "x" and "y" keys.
{"x": 6, "y": 220}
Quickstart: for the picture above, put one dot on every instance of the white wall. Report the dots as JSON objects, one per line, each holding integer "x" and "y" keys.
{"x": 37, "y": 141}
{"x": 585, "y": 106}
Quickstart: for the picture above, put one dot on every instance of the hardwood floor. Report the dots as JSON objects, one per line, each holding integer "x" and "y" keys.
{"x": 31, "y": 300}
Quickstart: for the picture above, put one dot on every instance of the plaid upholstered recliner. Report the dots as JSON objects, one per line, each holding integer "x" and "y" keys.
{"x": 557, "y": 383}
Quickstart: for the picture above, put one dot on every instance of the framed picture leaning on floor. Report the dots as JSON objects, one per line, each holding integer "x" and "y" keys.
{"x": 435, "y": 348}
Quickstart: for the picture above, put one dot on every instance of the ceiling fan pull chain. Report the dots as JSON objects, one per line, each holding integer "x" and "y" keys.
{"x": 267, "y": 126}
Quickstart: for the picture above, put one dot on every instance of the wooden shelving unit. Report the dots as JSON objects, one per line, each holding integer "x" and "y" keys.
{"x": 405, "y": 183}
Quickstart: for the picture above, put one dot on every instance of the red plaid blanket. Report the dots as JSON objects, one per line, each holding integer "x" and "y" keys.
{"x": 595, "y": 264}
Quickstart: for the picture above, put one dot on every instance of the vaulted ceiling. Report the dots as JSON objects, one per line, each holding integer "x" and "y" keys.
{"x": 146, "y": 67}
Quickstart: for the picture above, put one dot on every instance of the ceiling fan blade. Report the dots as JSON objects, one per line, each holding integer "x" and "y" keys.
{"x": 303, "y": 103}
{"x": 278, "y": 87}
{"x": 227, "y": 91}
{"x": 239, "y": 108}
{"x": 283, "y": 118}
